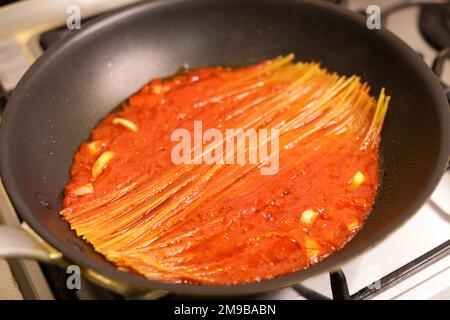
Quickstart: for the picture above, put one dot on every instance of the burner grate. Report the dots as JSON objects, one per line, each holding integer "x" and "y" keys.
{"x": 434, "y": 24}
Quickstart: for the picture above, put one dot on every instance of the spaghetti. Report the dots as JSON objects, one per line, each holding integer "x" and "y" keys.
{"x": 226, "y": 223}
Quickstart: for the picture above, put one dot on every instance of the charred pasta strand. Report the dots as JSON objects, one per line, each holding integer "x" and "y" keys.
{"x": 225, "y": 223}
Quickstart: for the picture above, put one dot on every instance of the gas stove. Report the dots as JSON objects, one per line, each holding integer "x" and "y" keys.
{"x": 411, "y": 263}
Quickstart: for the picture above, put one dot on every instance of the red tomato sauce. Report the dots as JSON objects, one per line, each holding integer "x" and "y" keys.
{"x": 250, "y": 231}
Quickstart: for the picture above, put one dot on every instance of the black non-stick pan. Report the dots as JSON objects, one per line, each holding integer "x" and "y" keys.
{"x": 80, "y": 79}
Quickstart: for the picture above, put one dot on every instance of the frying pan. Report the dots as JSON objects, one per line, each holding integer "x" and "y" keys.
{"x": 80, "y": 79}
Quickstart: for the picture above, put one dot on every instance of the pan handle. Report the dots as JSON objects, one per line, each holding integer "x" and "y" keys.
{"x": 22, "y": 242}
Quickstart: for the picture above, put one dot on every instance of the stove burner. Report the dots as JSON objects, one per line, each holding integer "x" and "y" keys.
{"x": 434, "y": 23}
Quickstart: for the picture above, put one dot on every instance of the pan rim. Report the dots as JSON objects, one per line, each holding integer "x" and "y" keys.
{"x": 433, "y": 87}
